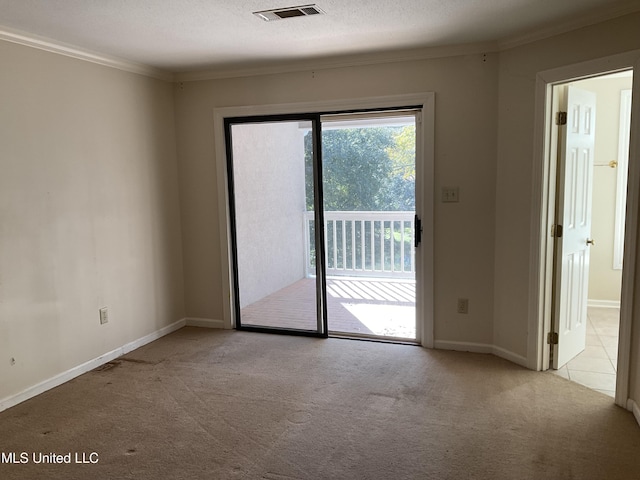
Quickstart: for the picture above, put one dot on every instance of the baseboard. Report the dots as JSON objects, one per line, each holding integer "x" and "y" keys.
{"x": 603, "y": 303}
{"x": 152, "y": 337}
{"x": 204, "y": 322}
{"x": 74, "y": 372}
{"x": 633, "y": 407}
{"x": 482, "y": 348}
{"x": 512, "y": 357}
{"x": 463, "y": 346}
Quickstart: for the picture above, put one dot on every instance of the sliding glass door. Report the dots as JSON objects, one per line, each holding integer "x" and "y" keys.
{"x": 323, "y": 223}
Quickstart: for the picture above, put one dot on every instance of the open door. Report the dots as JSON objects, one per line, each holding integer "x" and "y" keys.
{"x": 573, "y": 227}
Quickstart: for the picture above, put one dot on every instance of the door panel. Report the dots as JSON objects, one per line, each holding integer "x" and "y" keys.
{"x": 273, "y": 289}
{"x": 574, "y": 213}
{"x": 369, "y": 173}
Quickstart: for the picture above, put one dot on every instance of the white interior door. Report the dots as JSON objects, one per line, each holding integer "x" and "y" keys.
{"x": 574, "y": 213}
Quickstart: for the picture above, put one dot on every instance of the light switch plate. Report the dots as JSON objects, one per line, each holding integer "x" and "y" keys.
{"x": 450, "y": 194}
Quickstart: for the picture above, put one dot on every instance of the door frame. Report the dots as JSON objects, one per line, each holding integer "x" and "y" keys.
{"x": 544, "y": 195}
{"x": 425, "y": 196}
{"x": 321, "y": 274}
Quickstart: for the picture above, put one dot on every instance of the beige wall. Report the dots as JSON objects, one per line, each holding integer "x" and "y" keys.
{"x": 466, "y": 100}
{"x": 88, "y": 213}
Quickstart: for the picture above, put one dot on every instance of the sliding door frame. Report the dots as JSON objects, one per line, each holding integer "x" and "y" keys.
{"x": 424, "y": 202}
{"x": 322, "y": 329}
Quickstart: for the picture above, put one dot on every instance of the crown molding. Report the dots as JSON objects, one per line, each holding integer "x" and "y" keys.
{"x": 321, "y": 63}
{"x": 338, "y": 62}
{"x": 598, "y": 16}
{"x": 48, "y": 45}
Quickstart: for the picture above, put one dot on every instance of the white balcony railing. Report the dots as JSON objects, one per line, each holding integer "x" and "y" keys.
{"x": 364, "y": 243}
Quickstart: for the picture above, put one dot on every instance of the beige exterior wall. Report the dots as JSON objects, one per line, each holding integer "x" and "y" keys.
{"x": 269, "y": 187}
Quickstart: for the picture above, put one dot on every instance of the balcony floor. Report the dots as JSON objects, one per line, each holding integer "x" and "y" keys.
{"x": 355, "y": 305}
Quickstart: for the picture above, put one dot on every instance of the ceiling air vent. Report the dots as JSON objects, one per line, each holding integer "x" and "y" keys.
{"x": 289, "y": 12}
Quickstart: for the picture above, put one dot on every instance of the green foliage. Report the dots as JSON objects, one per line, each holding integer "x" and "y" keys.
{"x": 365, "y": 169}
{"x": 403, "y": 153}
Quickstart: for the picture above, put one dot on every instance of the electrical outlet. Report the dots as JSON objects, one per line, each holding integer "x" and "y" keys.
{"x": 463, "y": 305}
{"x": 104, "y": 316}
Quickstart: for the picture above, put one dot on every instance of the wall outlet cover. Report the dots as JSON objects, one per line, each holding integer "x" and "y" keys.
{"x": 463, "y": 305}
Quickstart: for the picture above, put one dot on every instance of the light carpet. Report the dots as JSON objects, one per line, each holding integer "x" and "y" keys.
{"x": 212, "y": 404}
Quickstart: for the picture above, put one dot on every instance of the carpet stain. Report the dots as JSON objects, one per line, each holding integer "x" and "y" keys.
{"x": 116, "y": 363}
{"x": 107, "y": 366}
{"x": 138, "y": 360}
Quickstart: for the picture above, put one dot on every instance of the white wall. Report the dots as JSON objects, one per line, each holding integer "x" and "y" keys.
{"x": 88, "y": 213}
{"x": 269, "y": 191}
{"x": 466, "y": 99}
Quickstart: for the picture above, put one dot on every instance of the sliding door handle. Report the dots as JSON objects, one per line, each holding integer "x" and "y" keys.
{"x": 417, "y": 226}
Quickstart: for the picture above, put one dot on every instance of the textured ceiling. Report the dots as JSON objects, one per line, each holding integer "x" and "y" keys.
{"x": 189, "y": 35}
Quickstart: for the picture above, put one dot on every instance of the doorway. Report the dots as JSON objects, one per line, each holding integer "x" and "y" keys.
{"x": 591, "y": 144}
{"x": 353, "y": 174}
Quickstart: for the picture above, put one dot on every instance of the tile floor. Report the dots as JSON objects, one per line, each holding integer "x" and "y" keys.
{"x": 596, "y": 366}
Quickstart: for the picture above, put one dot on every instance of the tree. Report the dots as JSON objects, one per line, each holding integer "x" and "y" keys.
{"x": 399, "y": 190}
{"x": 403, "y": 153}
{"x": 365, "y": 168}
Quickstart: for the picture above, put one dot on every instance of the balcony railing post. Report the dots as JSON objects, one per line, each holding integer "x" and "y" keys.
{"x": 363, "y": 263}
{"x": 392, "y": 245}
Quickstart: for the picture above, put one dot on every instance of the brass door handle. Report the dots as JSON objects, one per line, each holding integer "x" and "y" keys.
{"x": 591, "y": 241}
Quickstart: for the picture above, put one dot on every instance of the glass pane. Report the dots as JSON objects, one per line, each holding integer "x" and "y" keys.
{"x": 274, "y": 225}
{"x": 368, "y": 167}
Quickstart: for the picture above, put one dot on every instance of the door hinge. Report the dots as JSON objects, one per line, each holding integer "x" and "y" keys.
{"x": 561, "y": 118}
{"x": 552, "y": 338}
{"x": 556, "y": 231}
